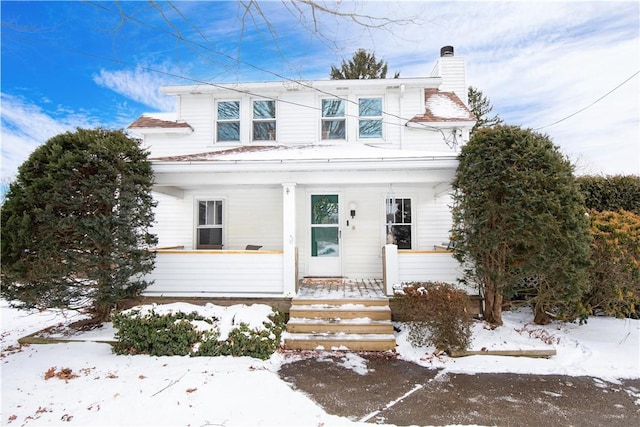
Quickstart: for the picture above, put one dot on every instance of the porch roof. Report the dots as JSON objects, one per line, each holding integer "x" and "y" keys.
{"x": 303, "y": 153}
{"x": 259, "y": 165}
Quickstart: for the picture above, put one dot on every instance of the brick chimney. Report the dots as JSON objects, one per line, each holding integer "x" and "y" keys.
{"x": 452, "y": 70}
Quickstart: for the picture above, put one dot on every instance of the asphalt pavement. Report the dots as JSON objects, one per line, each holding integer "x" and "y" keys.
{"x": 398, "y": 392}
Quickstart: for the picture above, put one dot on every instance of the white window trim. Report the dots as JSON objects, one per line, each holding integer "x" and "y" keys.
{"x": 381, "y": 118}
{"x": 216, "y": 121}
{"x": 343, "y": 118}
{"x": 414, "y": 219}
{"x": 274, "y": 120}
{"x": 196, "y": 218}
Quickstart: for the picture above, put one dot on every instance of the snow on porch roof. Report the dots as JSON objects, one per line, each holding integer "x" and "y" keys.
{"x": 301, "y": 153}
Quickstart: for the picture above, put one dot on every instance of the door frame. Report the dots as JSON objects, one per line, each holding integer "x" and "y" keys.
{"x": 324, "y": 266}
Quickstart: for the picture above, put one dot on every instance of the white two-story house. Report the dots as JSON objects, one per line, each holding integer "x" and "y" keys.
{"x": 260, "y": 185}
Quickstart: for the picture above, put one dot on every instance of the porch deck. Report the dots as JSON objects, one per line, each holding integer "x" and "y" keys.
{"x": 340, "y": 288}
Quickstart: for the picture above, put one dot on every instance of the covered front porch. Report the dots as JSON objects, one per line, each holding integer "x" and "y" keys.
{"x": 274, "y": 273}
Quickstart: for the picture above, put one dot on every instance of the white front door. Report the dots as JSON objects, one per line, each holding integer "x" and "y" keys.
{"x": 325, "y": 235}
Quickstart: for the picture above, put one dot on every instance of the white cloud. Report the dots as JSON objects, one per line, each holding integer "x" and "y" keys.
{"x": 539, "y": 63}
{"x": 25, "y": 126}
{"x": 141, "y": 85}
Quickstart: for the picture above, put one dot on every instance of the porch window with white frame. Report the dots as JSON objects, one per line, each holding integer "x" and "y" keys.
{"x": 210, "y": 228}
{"x": 369, "y": 118}
{"x": 333, "y": 119}
{"x": 264, "y": 120}
{"x": 228, "y": 121}
{"x": 399, "y": 222}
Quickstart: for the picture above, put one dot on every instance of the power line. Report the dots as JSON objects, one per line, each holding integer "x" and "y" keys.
{"x": 181, "y": 38}
{"x": 592, "y": 104}
{"x": 219, "y": 86}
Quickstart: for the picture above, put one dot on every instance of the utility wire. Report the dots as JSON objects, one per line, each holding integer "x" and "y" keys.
{"x": 181, "y": 38}
{"x": 218, "y": 86}
{"x": 592, "y": 104}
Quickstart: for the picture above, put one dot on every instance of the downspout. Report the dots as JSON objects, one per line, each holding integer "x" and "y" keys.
{"x": 402, "y": 90}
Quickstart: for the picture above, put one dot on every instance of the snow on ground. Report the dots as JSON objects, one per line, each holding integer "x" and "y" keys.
{"x": 84, "y": 384}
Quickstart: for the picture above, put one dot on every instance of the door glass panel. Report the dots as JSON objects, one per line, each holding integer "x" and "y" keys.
{"x": 324, "y": 242}
{"x": 325, "y": 233}
{"x": 324, "y": 209}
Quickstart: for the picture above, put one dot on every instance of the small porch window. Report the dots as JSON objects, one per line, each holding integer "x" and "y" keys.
{"x": 228, "y": 121}
{"x": 264, "y": 120}
{"x": 210, "y": 226}
{"x": 333, "y": 119}
{"x": 399, "y": 222}
{"x": 370, "y": 118}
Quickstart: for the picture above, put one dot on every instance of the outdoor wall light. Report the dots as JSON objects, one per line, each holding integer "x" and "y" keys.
{"x": 352, "y": 208}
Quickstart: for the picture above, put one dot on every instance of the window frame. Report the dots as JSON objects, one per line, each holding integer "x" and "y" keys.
{"x": 219, "y": 222}
{"x": 370, "y": 118}
{"x": 220, "y": 121}
{"x": 259, "y": 120}
{"x": 390, "y": 236}
{"x": 336, "y": 119}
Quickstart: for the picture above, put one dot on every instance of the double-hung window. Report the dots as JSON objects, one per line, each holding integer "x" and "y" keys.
{"x": 264, "y": 120}
{"x": 369, "y": 118}
{"x": 210, "y": 224}
{"x": 399, "y": 222}
{"x": 228, "y": 121}
{"x": 333, "y": 119}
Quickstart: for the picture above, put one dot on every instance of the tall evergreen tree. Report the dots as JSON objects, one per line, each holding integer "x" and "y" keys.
{"x": 363, "y": 65}
{"x": 519, "y": 216}
{"x": 481, "y": 107}
{"x": 75, "y": 223}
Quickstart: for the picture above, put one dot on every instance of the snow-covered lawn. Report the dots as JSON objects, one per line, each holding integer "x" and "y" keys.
{"x": 84, "y": 384}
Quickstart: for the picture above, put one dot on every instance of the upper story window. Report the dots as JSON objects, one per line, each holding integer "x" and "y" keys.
{"x": 333, "y": 119}
{"x": 370, "y": 118}
{"x": 399, "y": 222}
{"x": 228, "y": 121}
{"x": 209, "y": 229}
{"x": 264, "y": 120}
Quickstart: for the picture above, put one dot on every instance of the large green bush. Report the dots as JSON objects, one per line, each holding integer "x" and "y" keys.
{"x": 76, "y": 224}
{"x": 518, "y": 213}
{"x": 615, "y": 267}
{"x": 191, "y": 334}
{"x": 437, "y": 315}
{"x": 611, "y": 193}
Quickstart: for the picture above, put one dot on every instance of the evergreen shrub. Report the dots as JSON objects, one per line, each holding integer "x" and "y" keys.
{"x": 611, "y": 193}
{"x": 615, "y": 264}
{"x": 437, "y": 315}
{"x": 190, "y": 334}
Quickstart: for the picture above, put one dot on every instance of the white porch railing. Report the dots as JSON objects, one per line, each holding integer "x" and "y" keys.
{"x": 403, "y": 266}
{"x": 220, "y": 273}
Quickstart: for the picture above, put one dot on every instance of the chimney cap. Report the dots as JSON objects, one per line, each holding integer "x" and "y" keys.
{"x": 446, "y": 51}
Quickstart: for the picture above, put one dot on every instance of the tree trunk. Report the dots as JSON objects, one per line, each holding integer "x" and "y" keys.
{"x": 540, "y": 316}
{"x": 492, "y": 304}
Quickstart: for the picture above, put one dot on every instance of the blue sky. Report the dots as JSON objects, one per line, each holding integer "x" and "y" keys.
{"x": 87, "y": 64}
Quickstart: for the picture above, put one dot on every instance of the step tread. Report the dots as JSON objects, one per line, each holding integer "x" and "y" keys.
{"x": 338, "y": 337}
{"x": 340, "y": 307}
{"x": 356, "y": 321}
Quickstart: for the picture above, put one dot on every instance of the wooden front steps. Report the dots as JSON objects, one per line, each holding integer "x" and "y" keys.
{"x": 340, "y": 324}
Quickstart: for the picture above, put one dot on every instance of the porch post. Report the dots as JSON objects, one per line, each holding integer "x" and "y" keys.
{"x": 390, "y": 268}
{"x": 289, "y": 237}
